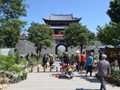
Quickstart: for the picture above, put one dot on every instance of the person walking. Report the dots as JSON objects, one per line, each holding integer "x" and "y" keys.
{"x": 104, "y": 70}
{"x": 78, "y": 60}
{"x": 83, "y": 61}
{"x": 100, "y": 55}
{"x": 89, "y": 64}
{"x": 66, "y": 58}
{"x": 61, "y": 57}
{"x": 51, "y": 61}
{"x": 44, "y": 61}
{"x": 72, "y": 59}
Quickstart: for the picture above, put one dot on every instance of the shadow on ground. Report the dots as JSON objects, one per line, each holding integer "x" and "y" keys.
{"x": 91, "y": 79}
{"x": 78, "y": 74}
{"x": 61, "y": 76}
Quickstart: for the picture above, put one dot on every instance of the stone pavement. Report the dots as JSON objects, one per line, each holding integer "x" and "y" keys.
{"x": 48, "y": 81}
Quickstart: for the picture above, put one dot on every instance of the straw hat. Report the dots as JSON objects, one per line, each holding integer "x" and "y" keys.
{"x": 51, "y": 55}
{"x": 77, "y": 52}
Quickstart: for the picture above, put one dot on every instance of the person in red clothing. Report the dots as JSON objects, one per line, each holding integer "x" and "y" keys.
{"x": 83, "y": 61}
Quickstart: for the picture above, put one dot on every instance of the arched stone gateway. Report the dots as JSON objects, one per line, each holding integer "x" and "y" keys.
{"x": 56, "y": 48}
{"x": 57, "y": 23}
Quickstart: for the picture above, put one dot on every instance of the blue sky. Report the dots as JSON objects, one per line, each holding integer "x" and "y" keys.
{"x": 93, "y": 12}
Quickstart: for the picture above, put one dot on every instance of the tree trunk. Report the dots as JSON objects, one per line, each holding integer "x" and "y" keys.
{"x": 37, "y": 51}
{"x": 81, "y": 48}
{"x": 40, "y": 50}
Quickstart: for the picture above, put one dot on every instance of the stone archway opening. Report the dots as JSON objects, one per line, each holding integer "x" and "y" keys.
{"x": 60, "y": 48}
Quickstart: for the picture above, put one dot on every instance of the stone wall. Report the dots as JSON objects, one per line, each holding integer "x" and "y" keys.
{"x": 7, "y": 51}
{"x": 26, "y": 47}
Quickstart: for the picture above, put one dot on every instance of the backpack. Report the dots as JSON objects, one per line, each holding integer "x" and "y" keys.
{"x": 45, "y": 59}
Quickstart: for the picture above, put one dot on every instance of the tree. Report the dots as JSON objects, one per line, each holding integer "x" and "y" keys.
{"x": 59, "y": 51}
{"x": 114, "y": 11}
{"x": 12, "y": 9}
{"x": 41, "y": 35}
{"x": 10, "y": 31}
{"x": 1, "y": 38}
{"x": 10, "y": 24}
{"x": 78, "y": 35}
{"x": 110, "y": 34}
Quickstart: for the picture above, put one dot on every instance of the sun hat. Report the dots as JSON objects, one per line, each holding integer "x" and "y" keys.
{"x": 77, "y": 51}
{"x": 50, "y": 54}
{"x": 104, "y": 56}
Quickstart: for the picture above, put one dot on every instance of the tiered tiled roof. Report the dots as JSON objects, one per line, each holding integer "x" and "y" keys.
{"x": 61, "y": 17}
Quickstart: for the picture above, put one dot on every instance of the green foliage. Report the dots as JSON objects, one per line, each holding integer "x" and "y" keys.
{"x": 16, "y": 68}
{"x": 41, "y": 35}
{"x": 39, "y": 59}
{"x": 10, "y": 24}
{"x": 7, "y": 62}
{"x": 2, "y": 57}
{"x": 78, "y": 35}
{"x": 24, "y": 74}
{"x": 10, "y": 31}
{"x": 59, "y": 52}
{"x": 116, "y": 74}
{"x": 32, "y": 61}
{"x": 110, "y": 34}
{"x": 23, "y": 61}
{"x": 1, "y": 38}
{"x": 12, "y": 9}
{"x": 114, "y": 11}
{"x": 17, "y": 59}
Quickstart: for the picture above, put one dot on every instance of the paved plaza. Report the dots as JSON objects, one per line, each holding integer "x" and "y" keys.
{"x": 48, "y": 81}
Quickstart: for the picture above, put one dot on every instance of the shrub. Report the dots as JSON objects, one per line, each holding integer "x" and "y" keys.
{"x": 24, "y": 74}
{"x": 7, "y": 62}
{"x": 114, "y": 78}
{"x": 16, "y": 68}
{"x": 116, "y": 74}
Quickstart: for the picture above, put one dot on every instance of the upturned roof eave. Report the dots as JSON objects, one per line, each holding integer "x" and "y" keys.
{"x": 46, "y": 19}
